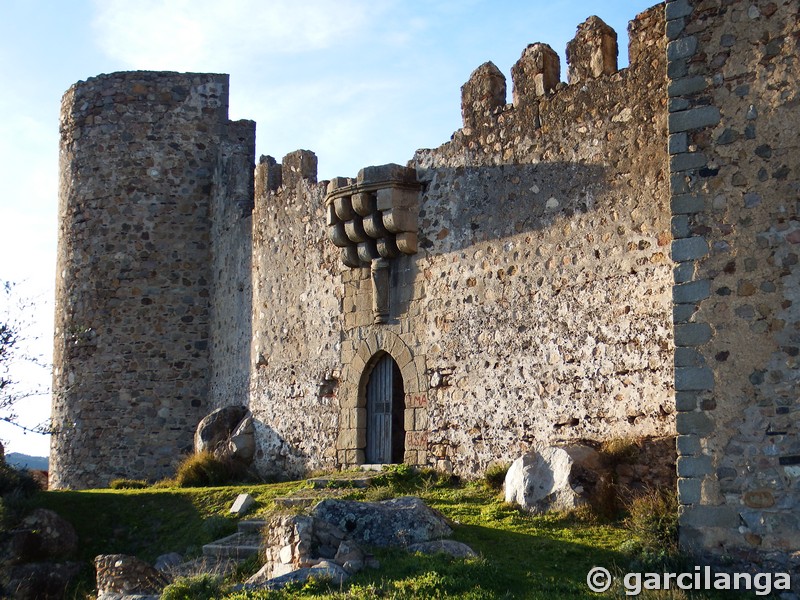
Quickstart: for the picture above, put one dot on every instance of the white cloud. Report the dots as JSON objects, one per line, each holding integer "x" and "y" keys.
{"x": 209, "y": 34}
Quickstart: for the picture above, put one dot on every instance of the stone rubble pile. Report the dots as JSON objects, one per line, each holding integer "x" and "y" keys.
{"x": 329, "y": 543}
{"x": 38, "y": 557}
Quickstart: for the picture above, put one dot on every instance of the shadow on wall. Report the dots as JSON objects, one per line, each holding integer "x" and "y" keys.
{"x": 277, "y": 457}
{"x": 464, "y": 206}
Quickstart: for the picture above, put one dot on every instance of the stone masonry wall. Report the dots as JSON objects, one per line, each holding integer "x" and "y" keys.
{"x": 296, "y": 320}
{"x": 231, "y": 251}
{"x": 131, "y": 363}
{"x": 613, "y": 257}
{"x": 537, "y": 308}
{"x": 735, "y": 184}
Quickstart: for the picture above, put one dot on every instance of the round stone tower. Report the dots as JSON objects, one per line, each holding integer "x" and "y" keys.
{"x": 138, "y": 153}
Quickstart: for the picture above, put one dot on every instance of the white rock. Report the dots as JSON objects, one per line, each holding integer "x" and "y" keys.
{"x": 242, "y": 504}
{"x": 554, "y": 478}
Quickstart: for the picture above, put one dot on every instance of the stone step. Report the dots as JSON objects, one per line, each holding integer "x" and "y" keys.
{"x": 252, "y": 525}
{"x": 213, "y": 565}
{"x": 296, "y": 501}
{"x": 376, "y": 467}
{"x": 349, "y": 481}
{"x": 238, "y": 545}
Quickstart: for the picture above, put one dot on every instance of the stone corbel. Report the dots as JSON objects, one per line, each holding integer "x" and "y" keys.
{"x": 375, "y": 216}
{"x": 379, "y": 270}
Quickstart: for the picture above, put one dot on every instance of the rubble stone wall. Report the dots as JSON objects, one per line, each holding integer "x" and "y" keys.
{"x": 134, "y": 280}
{"x": 296, "y": 328}
{"x": 735, "y": 199}
{"x": 538, "y": 307}
{"x": 231, "y": 252}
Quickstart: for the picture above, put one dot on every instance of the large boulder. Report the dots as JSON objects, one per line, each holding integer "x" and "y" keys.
{"x": 555, "y": 478}
{"x": 396, "y": 522}
{"x": 166, "y": 563}
{"x": 40, "y": 581}
{"x": 119, "y": 575}
{"x": 42, "y": 536}
{"x": 324, "y": 570}
{"x": 227, "y": 431}
{"x": 242, "y": 442}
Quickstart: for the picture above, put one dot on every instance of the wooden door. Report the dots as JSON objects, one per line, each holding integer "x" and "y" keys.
{"x": 385, "y": 433}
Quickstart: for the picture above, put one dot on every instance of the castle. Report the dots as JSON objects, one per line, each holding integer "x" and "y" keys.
{"x": 609, "y": 257}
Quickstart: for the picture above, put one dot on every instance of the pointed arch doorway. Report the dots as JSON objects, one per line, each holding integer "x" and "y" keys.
{"x": 385, "y": 412}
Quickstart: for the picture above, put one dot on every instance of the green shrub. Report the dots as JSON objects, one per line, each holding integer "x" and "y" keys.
{"x": 16, "y": 480}
{"x": 395, "y": 475}
{"x": 653, "y": 520}
{"x": 128, "y": 484}
{"x": 620, "y": 451}
{"x": 198, "y": 587}
{"x": 399, "y": 473}
{"x": 495, "y": 476}
{"x": 16, "y": 489}
{"x": 204, "y": 470}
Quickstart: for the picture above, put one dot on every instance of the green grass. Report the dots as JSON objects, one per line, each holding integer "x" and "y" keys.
{"x": 147, "y": 523}
{"x": 522, "y": 556}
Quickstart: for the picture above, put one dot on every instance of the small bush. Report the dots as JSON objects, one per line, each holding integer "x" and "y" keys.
{"x": 653, "y": 520}
{"x": 128, "y": 484}
{"x": 399, "y": 473}
{"x": 16, "y": 480}
{"x": 394, "y": 476}
{"x": 495, "y": 476}
{"x": 198, "y": 587}
{"x": 16, "y": 489}
{"x": 204, "y": 470}
{"x": 620, "y": 451}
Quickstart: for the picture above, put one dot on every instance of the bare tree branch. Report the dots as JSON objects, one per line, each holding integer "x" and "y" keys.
{"x": 15, "y": 339}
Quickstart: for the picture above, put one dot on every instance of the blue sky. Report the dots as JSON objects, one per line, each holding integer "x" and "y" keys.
{"x": 359, "y": 82}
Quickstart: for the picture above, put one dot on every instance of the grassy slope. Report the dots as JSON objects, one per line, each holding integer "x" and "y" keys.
{"x": 150, "y": 522}
{"x": 522, "y": 556}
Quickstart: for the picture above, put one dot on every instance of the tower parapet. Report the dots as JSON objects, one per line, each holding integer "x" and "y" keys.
{"x": 536, "y": 73}
{"x": 543, "y": 108}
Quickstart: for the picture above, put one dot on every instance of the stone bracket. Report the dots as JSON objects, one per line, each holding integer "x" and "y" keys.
{"x": 374, "y": 217}
{"x": 380, "y": 290}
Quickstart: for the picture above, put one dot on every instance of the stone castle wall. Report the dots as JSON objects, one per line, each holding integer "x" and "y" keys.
{"x": 296, "y": 319}
{"x": 131, "y": 377}
{"x": 735, "y": 201}
{"x": 231, "y": 252}
{"x": 537, "y": 307}
{"x": 609, "y": 257}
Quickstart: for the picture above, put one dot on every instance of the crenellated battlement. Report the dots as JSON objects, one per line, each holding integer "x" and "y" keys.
{"x": 295, "y": 166}
{"x": 536, "y": 76}
{"x": 536, "y": 73}
{"x": 593, "y": 52}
